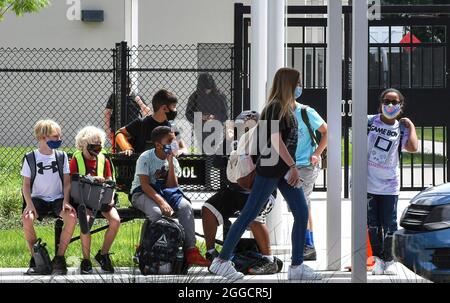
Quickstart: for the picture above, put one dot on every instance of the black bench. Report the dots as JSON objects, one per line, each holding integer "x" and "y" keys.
{"x": 198, "y": 176}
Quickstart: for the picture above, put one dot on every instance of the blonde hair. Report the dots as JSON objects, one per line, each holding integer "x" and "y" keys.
{"x": 89, "y": 135}
{"x": 44, "y": 128}
{"x": 282, "y": 91}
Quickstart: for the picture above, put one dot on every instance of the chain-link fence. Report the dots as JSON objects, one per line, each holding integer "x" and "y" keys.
{"x": 73, "y": 86}
{"x": 70, "y": 86}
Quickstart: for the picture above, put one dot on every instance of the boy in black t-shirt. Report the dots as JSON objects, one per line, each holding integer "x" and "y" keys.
{"x": 136, "y": 136}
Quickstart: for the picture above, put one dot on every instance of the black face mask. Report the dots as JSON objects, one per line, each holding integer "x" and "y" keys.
{"x": 94, "y": 149}
{"x": 171, "y": 115}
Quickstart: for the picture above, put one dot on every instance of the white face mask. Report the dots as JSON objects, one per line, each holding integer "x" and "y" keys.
{"x": 391, "y": 111}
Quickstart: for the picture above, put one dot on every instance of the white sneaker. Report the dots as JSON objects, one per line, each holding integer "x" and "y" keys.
{"x": 303, "y": 272}
{"x": 379, "y": 267}
{"x": 225, "y": 269}
{"x": 390, "y": 268}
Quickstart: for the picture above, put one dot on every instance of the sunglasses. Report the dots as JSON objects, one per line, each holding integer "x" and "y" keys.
{"x": 389, "y": 101}
{"x": 95, "y": 147}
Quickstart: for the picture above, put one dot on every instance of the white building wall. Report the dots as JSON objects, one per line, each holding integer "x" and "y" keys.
{"x": 50, "y": 27}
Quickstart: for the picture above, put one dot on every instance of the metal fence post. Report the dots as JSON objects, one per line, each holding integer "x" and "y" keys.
{"x": 238, "y": 37}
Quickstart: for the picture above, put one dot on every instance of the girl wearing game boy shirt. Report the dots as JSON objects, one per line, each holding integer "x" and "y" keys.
{"x": 387, "y": 137}
{"x": 280, "y": 141}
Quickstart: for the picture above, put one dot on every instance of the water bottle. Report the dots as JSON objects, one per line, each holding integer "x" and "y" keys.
{"x": 179, "y": 261}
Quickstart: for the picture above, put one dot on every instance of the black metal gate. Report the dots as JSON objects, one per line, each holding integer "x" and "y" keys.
{"x": 410, "y": 53}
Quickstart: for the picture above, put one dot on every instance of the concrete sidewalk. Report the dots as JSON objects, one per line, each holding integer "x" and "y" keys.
{"x": 283, "y": 251}
{"x": 196, "y": 275}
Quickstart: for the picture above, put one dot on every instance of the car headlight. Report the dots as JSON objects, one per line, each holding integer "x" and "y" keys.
{"x": 439, "y": 218}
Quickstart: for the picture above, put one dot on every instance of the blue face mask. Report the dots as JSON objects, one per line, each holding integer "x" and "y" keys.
{"x": 298, "y": 92}
{"x": 167, "y": 148}
{"x": 54, "y": 144}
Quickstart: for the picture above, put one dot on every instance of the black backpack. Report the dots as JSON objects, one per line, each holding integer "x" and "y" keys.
{"x": 245, "y": 260}
{"x": 247, "y": 255}
{"x": 41, "y": 259}
{"x": 160, "y": 250}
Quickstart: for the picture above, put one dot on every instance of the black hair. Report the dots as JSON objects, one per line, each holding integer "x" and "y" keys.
{"x": 163, "y": 97}
{"x": 206, "y": 81}
{"x": 396, "y": 91}
{"x": 160, "y": 133}
{"x": 393, "y": 90}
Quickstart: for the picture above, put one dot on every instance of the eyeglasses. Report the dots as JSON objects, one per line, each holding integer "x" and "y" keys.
{"x": 389, "y": 101}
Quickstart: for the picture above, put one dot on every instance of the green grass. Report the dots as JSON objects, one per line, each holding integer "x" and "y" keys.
{"x": 427, "y": 134}
{"x": 14, "y": 252}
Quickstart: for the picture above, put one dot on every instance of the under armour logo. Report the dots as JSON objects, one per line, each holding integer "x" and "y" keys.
{"x": 162, "y": 241}
{"x": 41, "y": 167}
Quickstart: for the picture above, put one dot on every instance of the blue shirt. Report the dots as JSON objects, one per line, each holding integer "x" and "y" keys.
{"x": 156, "y": 169}
{"x": 305, "y": 146}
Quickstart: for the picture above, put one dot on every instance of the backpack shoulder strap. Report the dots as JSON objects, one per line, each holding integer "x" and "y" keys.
{"x": 31, "y": 160}
{"x": 113, "y": 169}
{"x": 60, "y": 159}
{"x": 305, "y": 119}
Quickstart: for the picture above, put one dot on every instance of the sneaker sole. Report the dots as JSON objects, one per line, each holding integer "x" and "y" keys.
{"x": 103, "y": 270}
{"x": 84, "y": 272}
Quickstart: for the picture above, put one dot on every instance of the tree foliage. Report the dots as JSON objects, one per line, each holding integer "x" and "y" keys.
{"x": 20, "y": 7}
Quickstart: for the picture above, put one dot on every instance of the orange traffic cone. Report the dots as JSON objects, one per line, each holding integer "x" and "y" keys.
{"x": 370, "y": 259}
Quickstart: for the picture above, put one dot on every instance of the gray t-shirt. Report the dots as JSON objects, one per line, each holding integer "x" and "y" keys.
{"x": 156, "y": 169}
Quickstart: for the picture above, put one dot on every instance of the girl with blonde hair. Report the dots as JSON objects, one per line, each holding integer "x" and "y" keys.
{"x": 278, "y": 115}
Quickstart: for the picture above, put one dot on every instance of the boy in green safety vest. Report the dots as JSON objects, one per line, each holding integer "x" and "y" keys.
{"x": 89, "y": 160}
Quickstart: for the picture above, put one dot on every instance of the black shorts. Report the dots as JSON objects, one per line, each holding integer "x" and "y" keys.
{"x": 45, "y": 208}
{"x": 225, "y": 203}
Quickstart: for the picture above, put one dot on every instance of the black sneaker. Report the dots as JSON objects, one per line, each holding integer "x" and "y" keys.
{"x": 105, "y": 262}
{"x": 86, "y": 267}
{"x": 211, "y": 256}
{"x": 264, "y": 267}
{"x": 309, "y": 254}
{"x": 59, "y": 265}
{"x": 31, "y": 268}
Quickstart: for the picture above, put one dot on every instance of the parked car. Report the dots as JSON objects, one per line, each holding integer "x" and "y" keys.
{"x": 424, "y": 244}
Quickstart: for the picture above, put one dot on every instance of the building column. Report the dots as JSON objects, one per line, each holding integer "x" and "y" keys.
{"x": 132, "y": 38}
{"x": 360, "y": 37}
{"x": 334, "y": 121}
{"x": 258, "y": 73}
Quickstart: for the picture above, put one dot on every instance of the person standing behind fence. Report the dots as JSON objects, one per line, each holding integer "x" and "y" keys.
{"x": 46, "y": 191}
{"x": 89, "y": 160}
{"x": 282, "y": 174}
{"x": 307, "y": 158}
{"x": 136, "y": 108}
{"x": 210, "y": 102}
{"x": 387, "y": 137}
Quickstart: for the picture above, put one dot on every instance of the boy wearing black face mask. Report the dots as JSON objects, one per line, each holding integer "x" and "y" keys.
{"x": 136, "y": 136}
{"x": 155, "y": 189}
{"x": 89, "y": 160}
{"x": 46, "y": 191}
